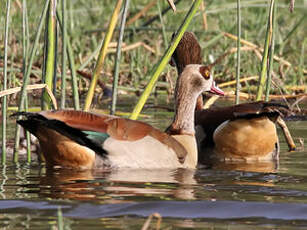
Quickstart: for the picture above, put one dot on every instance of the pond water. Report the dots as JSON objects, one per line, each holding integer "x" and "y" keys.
{"x": 255, "y": 196}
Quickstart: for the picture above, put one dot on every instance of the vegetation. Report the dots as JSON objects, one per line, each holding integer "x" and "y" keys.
{"x": 83, "y": 26}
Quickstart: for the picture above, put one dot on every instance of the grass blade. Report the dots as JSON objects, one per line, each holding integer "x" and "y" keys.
{"x": 25, "y": 43}
{"x": 162, "y": 23}
{"x": 118, "y": 56}
{"x": 102, "y": 55}
{"x": 164, "y": 60}
{"x": 295, "y": 27}
{"x": 238, "y": 85}
{"x": 60, "y": 219}
{"x": 268, "y": 38}
{"x": 27, "y": 77}
{"x": 71, "y": 62}
{"x": 64, "y": 56}
{"x": 33, "y": 51}
{"x": 271, "y": 55}
{"x": 4, "y": 102}
{"x": 50, "y": 56}
{"x": 74, "y": 82}
{"x": 90, "y": 58}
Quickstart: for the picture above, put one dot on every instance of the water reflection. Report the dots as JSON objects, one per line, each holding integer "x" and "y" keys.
{"x": 124, "y": 185}
{"x": 256, "y": 166}
{"x": 114, "y": 185}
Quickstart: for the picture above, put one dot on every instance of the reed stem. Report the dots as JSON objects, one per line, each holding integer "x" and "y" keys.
{"x": 302, "y": 80}
{"x": 28, "y": 136}
{"x": 55, "y": 63}
{"x": 4, "y": 102}
{"x": 268, "y": 38}
{"x": 118, "y": 56}
{"x": 164, "y": 60}
{"x": 238, "y": 85}
{"x": 25, "y": 44}
{"x": 162, "y": 24}
{"x": 71, "y": 62}
{"x": 50, "y": 56}
{"x": 64, "y": 56}
{"x": 102, "y": 55}
{"x": 271, "y": 53}
{"x": 27, "y": 76}
{"x": 60, "y": 219}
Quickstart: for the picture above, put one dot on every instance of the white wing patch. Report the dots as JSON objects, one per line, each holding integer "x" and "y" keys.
{"x": 144, "y": 153}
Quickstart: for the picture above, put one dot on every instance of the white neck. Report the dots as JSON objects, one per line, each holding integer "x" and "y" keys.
{"x": 185, "y": 109}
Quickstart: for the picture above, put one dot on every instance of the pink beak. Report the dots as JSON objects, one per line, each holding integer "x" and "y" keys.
{"x": 216, "y": 90}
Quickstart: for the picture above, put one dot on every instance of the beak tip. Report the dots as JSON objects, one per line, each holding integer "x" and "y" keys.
{"x": 216, "y": 90}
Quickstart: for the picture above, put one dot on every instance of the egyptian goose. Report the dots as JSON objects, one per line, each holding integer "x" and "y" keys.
{"x": 240, "y": 132}
{"x": 77, "y": 139}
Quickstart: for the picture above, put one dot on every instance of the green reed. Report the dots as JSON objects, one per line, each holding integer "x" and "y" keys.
{"x": 267, "y": 44}
{"x": 238, "y": 85}
{"x": 162, "y": 24}
{"x": 118, "y": 56}
{"x": 164, "y": 60}
{"x": 271, "y": 54}
{"x": 72, "y": 67}
{"x": 26, "y": 77}
{"x": 50, "y": 56}
{"x": 4, "y": 102}
{"x": 102, "y": 55}
{"x": 60, "y": 219}
{"x": 64, "y": 56}
{"x": 25, "y": 45}
{"x": 71, "y": 61}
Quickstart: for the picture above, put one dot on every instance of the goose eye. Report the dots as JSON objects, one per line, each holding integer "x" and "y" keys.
{"x": 205, "y": 72}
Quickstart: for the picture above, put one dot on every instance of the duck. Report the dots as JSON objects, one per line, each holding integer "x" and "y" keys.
{"x": 243, "y": 132}
{"x": 85, "y": 140}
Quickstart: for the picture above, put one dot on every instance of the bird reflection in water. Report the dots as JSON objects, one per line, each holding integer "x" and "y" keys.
{"x": 115, "y": 186}
{"x": 269, "y": 166}
{"x": 124, "y": 185}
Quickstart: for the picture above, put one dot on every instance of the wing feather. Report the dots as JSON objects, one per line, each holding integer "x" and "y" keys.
{"x": 115, "y": 127}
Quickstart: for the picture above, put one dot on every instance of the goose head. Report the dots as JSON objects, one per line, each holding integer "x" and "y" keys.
{"x": 194, "y": 80}
{"x": 188, "y": 52}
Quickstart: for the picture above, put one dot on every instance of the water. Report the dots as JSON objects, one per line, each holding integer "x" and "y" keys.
{"x": 236, "y": 196}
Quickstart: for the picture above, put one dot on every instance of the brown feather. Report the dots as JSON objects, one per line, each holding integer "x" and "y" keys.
{"x": 117, "y": 128}
{"x": 79, "y": 119}
{"x": 243, "y": 138}
{"x": 129, "y": 130}
{"x": 63, "y": 151}
{"x": 125, "y": 129}
{"x": 181, "y": 57}
{"x": 210, "y": 119}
